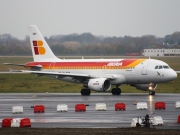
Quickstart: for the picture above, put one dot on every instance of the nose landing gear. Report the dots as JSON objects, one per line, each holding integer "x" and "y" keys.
{"x": 151, "y": 92}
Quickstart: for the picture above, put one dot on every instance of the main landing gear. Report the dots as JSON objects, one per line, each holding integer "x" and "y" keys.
{"x": 85, "y": 92}
{"x": 116, "y": 91}
{"x": 151, "y": 92}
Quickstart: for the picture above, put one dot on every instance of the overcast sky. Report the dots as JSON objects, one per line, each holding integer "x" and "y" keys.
{"x": 100, "y": 17}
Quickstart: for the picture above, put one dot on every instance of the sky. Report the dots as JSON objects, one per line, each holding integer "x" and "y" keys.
{"x": 99, "y": 17}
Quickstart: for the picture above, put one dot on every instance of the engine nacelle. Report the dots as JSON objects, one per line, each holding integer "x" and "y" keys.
{"x": 100, "y": 84}
{"x": 145, "y": 87}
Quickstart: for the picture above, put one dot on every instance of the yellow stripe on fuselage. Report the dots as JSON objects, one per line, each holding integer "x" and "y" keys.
{"x": 135, "y": 63}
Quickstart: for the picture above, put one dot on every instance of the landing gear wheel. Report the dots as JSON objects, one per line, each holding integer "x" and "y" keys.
{"x": 152, "y": 92}
{"x": 116, "y": 91}
{"x": 138, "y": 125}
{"x": 88, "y": 92}
{"x": 113, "y": 91}
{"x": 85, "y": 92}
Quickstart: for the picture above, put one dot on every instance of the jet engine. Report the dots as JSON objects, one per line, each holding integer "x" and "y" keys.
{"x": 98, "y": 84}
{"x": 145, "y": 87}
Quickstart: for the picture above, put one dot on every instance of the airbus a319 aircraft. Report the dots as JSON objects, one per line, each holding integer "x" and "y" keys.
{"x": 96, "y": 74}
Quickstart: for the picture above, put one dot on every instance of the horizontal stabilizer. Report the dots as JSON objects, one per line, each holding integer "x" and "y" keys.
{"x": 14, "y": 64}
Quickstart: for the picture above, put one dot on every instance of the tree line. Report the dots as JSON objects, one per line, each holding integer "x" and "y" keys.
{"x": 89, "y": 44}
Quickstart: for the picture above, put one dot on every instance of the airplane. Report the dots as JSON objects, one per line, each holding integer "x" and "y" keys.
{"x": 96, "y": 74}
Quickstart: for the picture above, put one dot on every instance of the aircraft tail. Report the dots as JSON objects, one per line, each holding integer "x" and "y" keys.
{"x": 40, "y": 49}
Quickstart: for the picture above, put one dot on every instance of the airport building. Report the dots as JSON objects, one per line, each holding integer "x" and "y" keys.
{"x": 161, "y": 52}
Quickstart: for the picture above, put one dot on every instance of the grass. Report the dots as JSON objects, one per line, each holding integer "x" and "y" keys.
{"x": 30, "y": 83}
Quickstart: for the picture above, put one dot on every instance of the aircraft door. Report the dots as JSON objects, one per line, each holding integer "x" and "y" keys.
{"x": 144, "y": 68}
{"x": 104, "y": 69}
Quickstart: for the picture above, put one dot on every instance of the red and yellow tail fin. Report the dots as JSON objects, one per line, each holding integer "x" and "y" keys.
{"x": 40, "y": 49}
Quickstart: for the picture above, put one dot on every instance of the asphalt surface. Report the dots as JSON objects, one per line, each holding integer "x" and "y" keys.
{"x": 91, "y": 118}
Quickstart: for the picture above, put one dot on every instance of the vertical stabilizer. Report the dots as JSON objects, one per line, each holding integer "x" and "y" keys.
{"x": 40, "y": 48}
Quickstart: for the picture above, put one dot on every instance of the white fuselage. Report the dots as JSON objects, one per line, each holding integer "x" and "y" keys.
{"x": 137, "y": 71}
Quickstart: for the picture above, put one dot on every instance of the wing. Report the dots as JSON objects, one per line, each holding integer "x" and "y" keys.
{"x": 177, "y": 71}
{"x": 67, "y": 74}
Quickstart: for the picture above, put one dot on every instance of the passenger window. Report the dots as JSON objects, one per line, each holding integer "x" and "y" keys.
{"x": 160, "y": 67}
{"x": 156, "y": 67}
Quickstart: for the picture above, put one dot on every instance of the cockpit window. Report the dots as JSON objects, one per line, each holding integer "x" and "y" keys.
{"x": 165, "y": 67}
{"x": 161, "y": 67}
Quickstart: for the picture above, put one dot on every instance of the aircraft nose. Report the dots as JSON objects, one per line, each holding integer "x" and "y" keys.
{"x": 173, "y": 75}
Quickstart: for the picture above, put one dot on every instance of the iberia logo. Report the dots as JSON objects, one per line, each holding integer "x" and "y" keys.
{"x": 38, "y": 47}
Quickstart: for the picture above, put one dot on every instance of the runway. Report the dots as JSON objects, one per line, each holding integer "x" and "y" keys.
{"x": 91, "y": 118}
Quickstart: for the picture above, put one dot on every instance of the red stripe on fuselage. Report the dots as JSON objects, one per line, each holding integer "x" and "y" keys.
{"x": 79, "y": 64}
